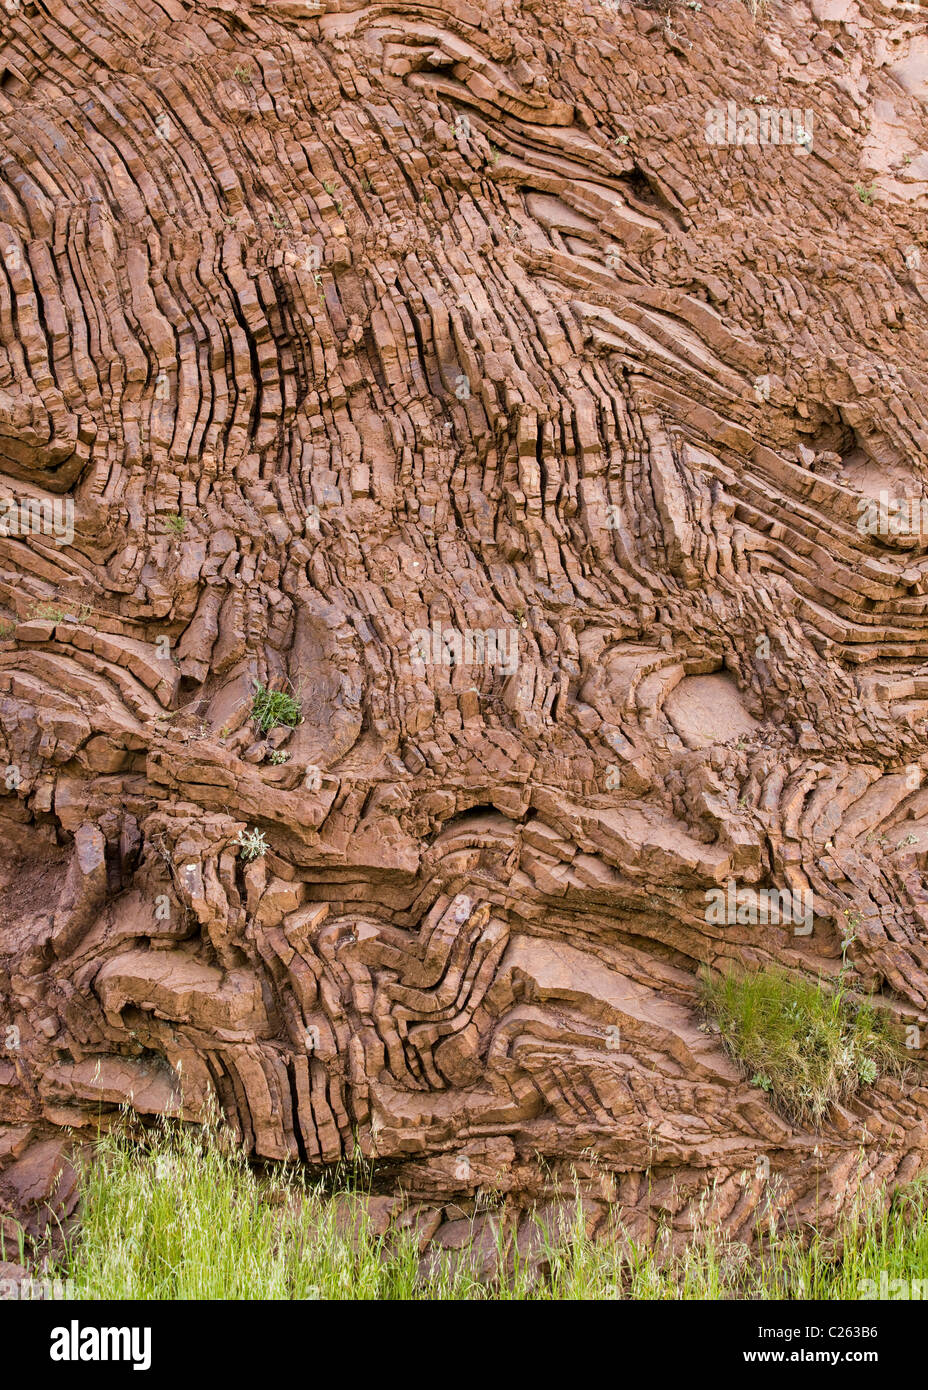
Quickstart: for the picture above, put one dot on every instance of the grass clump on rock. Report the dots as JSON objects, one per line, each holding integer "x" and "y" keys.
{"x": 272, "y": 708}
{"x": 810, "y": 1045}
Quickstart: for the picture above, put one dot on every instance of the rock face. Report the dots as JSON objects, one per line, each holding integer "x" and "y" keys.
{"x": 456, "y": 369}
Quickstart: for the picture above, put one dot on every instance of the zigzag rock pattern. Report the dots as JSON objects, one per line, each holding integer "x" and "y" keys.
{"x": 444, "y": 365}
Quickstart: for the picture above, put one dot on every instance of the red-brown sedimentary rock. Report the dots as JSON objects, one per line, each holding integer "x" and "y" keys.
{"x": 351, "y": 329}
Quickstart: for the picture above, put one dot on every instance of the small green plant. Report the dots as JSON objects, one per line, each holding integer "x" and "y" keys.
{"x": 48, "y": 612}
{"x": 273, "y": 708}
{"x": 279, "y": 755}
{"x": 866, "y": 195}
{"x": 252, "y": 844}
{"x": 243, "y": 74}
{"x": 867, "y": 1070}
{"x": 853, "y": 922}
{"x": 175, "y": 523}
{"x": 808, "y": 1044}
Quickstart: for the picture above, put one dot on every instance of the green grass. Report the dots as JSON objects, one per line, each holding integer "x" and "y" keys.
{"x": 191, "y": 1219}
{"x": 54, "y": 613}
{"x": 271, "y": 708}
{"x": 188, "y": 1218}
{"x": 48, "y": 612}
{"x": 887, "y": 1240}
{"x": 808, "y": 1045}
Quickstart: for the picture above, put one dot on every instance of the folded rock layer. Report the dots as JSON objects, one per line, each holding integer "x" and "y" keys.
{"x": 526, "y": 390}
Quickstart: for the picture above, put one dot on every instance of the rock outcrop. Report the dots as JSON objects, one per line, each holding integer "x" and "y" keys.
{"x": 490, "y": 379}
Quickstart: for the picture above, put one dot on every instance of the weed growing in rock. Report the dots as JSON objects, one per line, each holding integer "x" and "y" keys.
{"x": 808, "y": 1044}
{"x": 54, "y": 613}
{"x": 272, "y": 708}
{"x": 252, "y": 844}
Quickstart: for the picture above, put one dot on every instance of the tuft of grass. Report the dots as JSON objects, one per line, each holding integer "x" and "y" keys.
{"x": 54, "y": 613}
{"x": 271, "y": 708}
{"x": 48, "y": 612}
{"x": 810, "y": 1046}
{"x": 175, "y": 523}
{"x": 182, "y": 1214}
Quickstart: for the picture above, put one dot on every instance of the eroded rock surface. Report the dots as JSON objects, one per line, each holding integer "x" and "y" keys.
{"x": 367, "y": 336}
